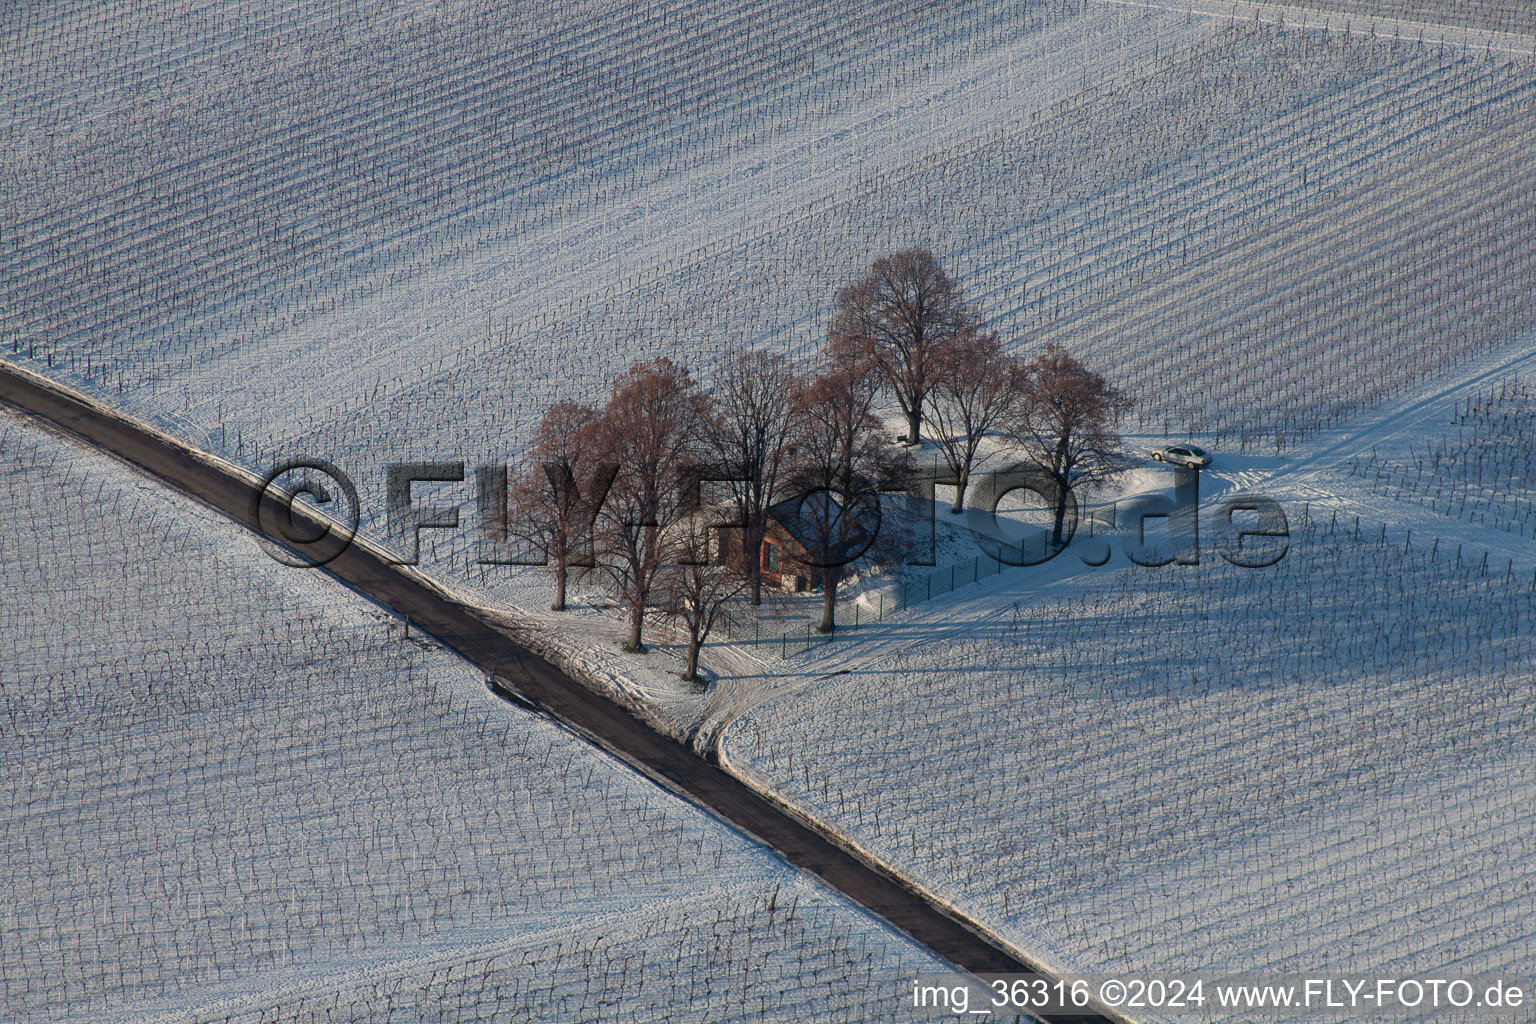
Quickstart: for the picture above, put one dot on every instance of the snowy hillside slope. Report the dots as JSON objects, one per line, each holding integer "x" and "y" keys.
{"x": 387, "y": 230}
{"x": 382, "y": 230}
{"x": 1320, "y": 767}
{"x": 1482, "y": 469}
{"x": 235, "y": 792}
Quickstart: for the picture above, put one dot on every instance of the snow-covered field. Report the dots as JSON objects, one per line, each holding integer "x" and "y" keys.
{"x": 1491, "y": 16}
{"x": 384, "y": 230}
{"x": 386, "y": 233}
{"x": 1324, "y": 765}
{"x": 1482, "y": 469}
{"x": 1321, "y": 766}
{"x": 234, "y": 791}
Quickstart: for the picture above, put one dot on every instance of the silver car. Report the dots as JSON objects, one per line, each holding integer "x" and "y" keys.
{"x": 1187, "y": 455}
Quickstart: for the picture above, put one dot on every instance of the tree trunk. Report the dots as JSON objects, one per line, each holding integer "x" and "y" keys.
{"x": 1059, "y": 470}
{"x": 694, "y": 643}
{"x": 964, "y": 479}
{"x": 636, "y": 622}
{"x": 560, "y": 576}
{"x": 828, "y": 604}
{"x": 914, "y": 424}
{"x": 752, "y": 553}
{"x": 1061, "y": 516}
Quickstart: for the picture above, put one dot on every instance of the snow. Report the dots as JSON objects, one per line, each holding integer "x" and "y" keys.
{"x": 384, "y": 230}
{"x": 245, "y": 796}
{"x": 1321, "y": 766}
{"x": 1164, "y": 194}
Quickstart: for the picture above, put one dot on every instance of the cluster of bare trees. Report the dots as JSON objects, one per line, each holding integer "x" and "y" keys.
{"x": 641, "y": 489}
{"x": 936, "y": 360}
{"x": 616, "y": 490}
{"x": 626, "y": 490}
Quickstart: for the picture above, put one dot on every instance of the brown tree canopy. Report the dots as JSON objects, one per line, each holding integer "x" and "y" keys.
{"x": 977, "y": 387}
{"x": 1066, "y": 423}
{"x": 554, "y": 500}
{"x": 651, "y": 427}
{"x": 841, "y": 462}
{"x": 905, "y": 313}
{"x": 695, "y": 592}
{"x": 753, "y": 419}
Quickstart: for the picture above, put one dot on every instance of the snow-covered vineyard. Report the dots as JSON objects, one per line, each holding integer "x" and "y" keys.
{"x": 265, "y": 247}
{"x": 1324, "y": 765}
{"x": 376, "y": 231}
{"x": 1482, "y": 470}
{"x": 236, "y": 793}
{"x": 1488, "y": 15}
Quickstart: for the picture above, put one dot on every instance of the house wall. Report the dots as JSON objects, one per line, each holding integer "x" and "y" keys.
{"x": 791, "y": 575}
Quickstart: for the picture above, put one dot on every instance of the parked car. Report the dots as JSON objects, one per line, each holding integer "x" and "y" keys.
{"x": 1187, "y": 455}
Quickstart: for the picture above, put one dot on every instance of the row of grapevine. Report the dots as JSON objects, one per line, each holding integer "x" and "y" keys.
{"x": 1484, "y": 472}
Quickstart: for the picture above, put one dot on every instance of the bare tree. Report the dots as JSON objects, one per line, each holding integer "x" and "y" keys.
{"x": 976, "y": 387}
{"x": 651, "y": 427}
{"x": 905, "y": 312}
{"x": 841, "y": 462}
{"x": 554, "y": 501}
{"x": 697, "y": 592}
{"x": 750, "y": 431}
{"x": 1066, "y": 424}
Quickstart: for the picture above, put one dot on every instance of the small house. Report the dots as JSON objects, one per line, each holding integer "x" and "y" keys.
{"x": 783, "y": 557}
